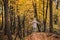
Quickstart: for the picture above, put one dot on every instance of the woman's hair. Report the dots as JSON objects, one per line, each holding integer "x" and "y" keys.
{"x": 31, "y": 18}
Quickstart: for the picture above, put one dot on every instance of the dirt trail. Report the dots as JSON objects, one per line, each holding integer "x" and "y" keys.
{"x": 39, "y": 36}
{"x": 42, "y": 36}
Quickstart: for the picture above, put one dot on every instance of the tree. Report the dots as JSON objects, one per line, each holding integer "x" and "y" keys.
{"x": 45, "y": 17}
{"x": 57, "y": 4}
{"x": 23, "y": 24}
{"x": 51, "y": 16}
{"x": 1, "y": 11}
{"x": 7, "y": 26}
{"x": 11, "y": 18}
{"x": 19, "y": 28}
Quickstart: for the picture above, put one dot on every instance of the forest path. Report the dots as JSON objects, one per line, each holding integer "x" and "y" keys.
{"x": 42, "y": 36}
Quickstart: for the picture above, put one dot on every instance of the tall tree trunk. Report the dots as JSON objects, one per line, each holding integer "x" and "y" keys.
{"x": 23, "y": 24}
{"x": 45, "y": 19}
{"x": 7, "y": 26}
{"x": 11, "y": 19}
{"x": 2, "y": 27}
{"x": 57, "y": 4}
{"x": 14, "y": 22}
{"x": 2, "y": 19}
{"x": 19, "y": 28}
{"x": 51, "y": 16}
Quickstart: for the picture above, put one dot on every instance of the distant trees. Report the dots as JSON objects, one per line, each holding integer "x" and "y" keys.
{"x": 10, "y": 22}
{"x": 10, "y": 18}
{"x": 44, "y": 15}
{"x": 19, "y": 28}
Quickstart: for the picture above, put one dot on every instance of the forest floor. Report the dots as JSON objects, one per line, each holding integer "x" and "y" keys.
{"x": 42, "y": 36}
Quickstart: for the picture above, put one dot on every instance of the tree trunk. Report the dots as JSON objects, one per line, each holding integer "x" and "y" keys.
{"x": 7, "y": 26}
{"x": 19, "y": 28}
{"x": 57, "y": 4}
{"x": 11, "y": 19}
{"x": 2, "y": 19}
{"x": 45, "y": 19}
{"x": 23, "y": 24}
{"x": 51, "y": 16}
